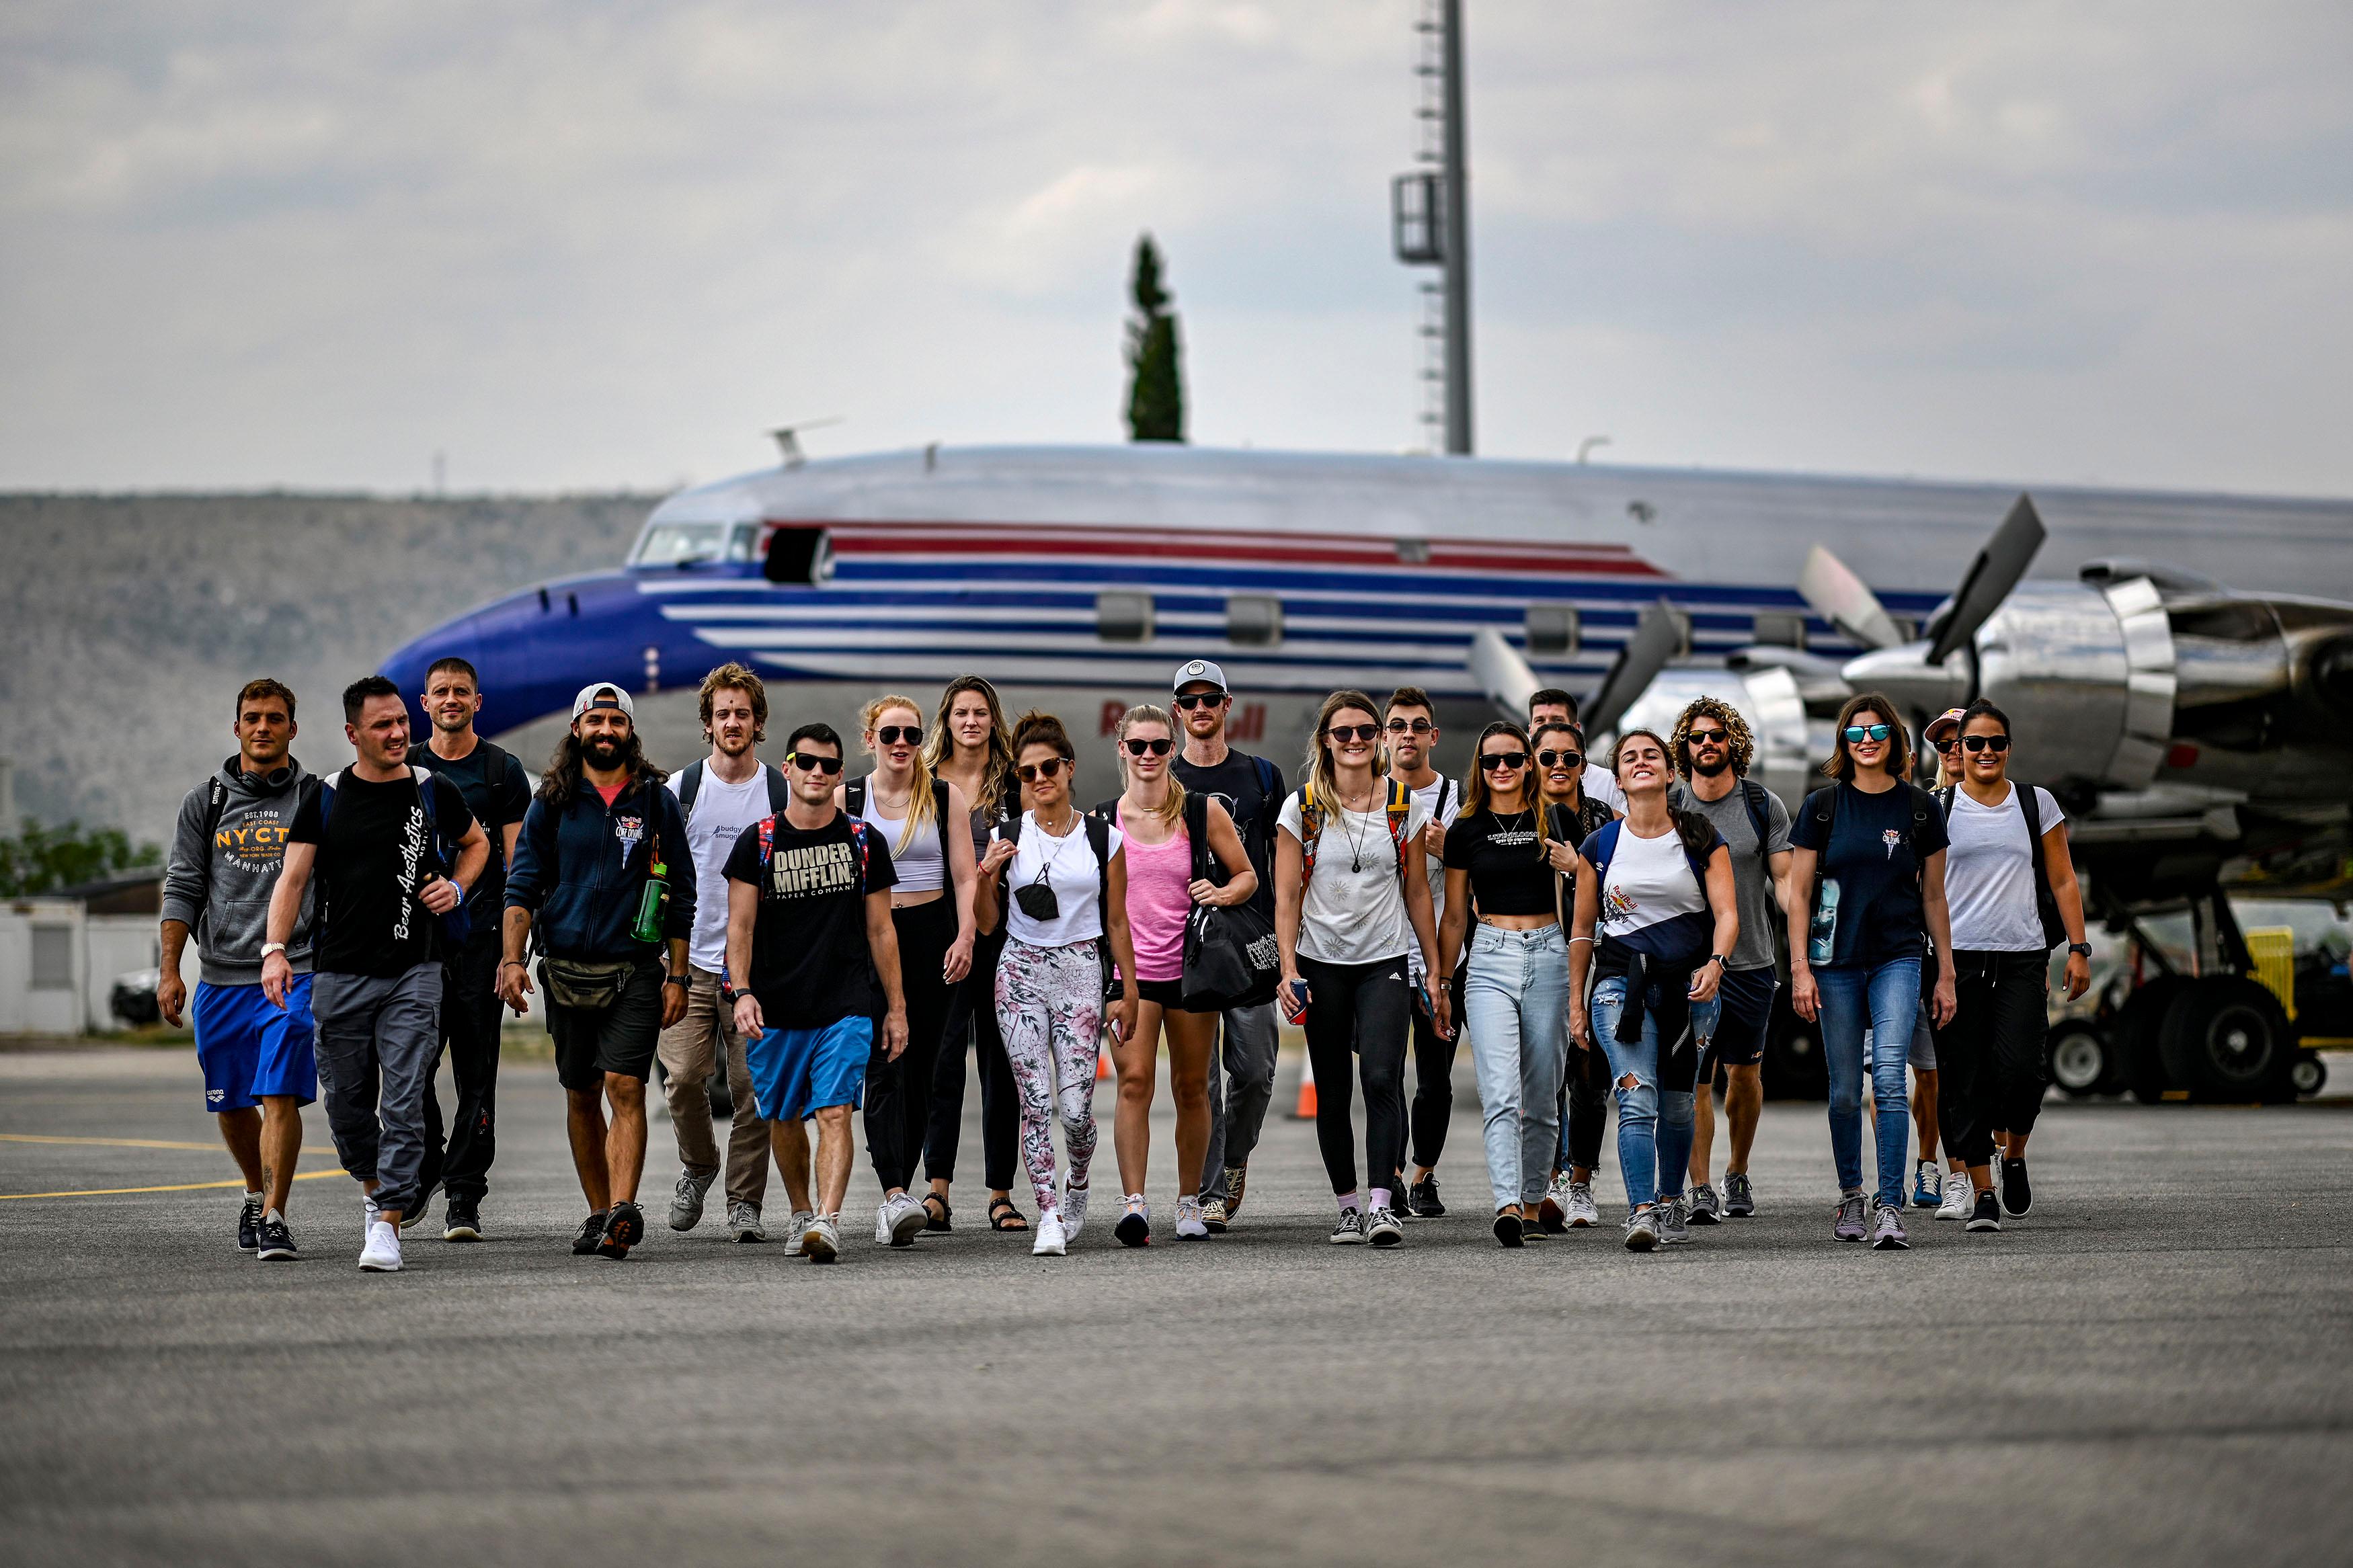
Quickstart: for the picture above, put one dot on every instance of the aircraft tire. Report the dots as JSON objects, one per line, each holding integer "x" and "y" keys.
{"x": 2226, "y": 1037}
{"x": 2080, "y": 1060}
{"x": 2133, "y": 1033}
{"x": 2308, "y": 1075}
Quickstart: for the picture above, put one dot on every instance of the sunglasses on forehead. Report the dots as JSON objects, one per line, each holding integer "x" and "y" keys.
{"x": 1030, "y": 772}
{"x": 1159, "y": 748}
{"x": 826, "y": 765}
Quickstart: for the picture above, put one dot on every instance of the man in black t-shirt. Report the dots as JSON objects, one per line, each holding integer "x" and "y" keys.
{"x": 396, "y": 851}
{"x": 808, "y": 927}
{"x": 497, "y": 793}
{"x": 1251, "y": 788}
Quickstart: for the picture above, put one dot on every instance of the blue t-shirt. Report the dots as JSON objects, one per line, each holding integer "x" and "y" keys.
{"x": 1870, "y": 854}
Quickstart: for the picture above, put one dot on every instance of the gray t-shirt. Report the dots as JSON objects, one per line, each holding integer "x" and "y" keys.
{"x": 1752, "y": 885}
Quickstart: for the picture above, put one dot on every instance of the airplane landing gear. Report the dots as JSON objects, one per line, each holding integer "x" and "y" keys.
{"x": 2216, "y": 1034}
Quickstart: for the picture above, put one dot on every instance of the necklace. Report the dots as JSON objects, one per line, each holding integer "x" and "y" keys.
{"x": 1355, "y": 842}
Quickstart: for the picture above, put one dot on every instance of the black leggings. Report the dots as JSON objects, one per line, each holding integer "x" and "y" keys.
{"x": 1361, "y": 1010}
{"x": 899, "y": 1094}
{"x": 1989, "y": 1058}
{"x": 1433, "y": 1073}
{"x": 1585, "y": 1106}
{"x": 972, "y": 1017}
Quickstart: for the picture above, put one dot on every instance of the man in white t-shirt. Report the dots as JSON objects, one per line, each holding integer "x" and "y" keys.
{"x": 719, "y": 796}
{"x": 1598, "y": 783}
{"x": 1411, "y": 726}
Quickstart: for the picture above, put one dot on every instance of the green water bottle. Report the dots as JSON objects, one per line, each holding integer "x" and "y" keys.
{"x": 652, "y": 904}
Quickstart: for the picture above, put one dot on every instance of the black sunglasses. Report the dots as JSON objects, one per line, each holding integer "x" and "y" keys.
{"x": 826, "y": 765}
{"x": 1947, "y": 744}
{"x": 1030, "y": 772}
{"x": 1997, "y": 744}
{"x": 1510, "y": 762}
{"x": 1355, "y": 732}
{"x": 1709, "y": 738}
{"x": 1559, "y": 760}
{"x": 891, "y": 734}
{"x": 1192, "y": 699}
{"x": 1855, "y": 732}
{"x": 1160, "y": 748}
{"x": 1417, "y": 727}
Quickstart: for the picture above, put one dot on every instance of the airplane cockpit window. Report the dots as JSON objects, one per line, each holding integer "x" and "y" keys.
{"x": 680, "y": 544}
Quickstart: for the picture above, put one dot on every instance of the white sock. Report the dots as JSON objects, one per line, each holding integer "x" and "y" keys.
{"x": 269, "y": 1214}
{"x": 253, "y": 1195}
{"x": 1346, "y": 1201}
{"x": 1380, "y": 1197}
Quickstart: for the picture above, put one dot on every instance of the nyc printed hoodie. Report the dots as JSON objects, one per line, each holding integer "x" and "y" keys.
{"x": 219, "y": 884}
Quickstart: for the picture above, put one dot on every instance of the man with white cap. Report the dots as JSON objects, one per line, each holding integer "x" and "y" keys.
{"x": 595, "y": 862}
{"x": 1250, "y": 789}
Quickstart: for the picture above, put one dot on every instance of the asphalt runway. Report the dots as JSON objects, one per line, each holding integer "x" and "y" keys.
{"x": 2153, "y": 1368}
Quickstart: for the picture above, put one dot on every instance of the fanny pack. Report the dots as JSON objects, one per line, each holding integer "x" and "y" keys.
{"x": 583, "y": 985}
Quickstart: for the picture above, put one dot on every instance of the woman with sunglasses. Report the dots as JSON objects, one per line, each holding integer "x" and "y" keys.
{"x": 1657, "y": 917}
{"x": 1866, "y": 892}
{"x": 1067, "y": 885}
{"x": 1582, "y": 1106}
{"x": 1516, "y": 994}
{"x": 2011, "y": 899}
{"x": 970, "y": 748}
{"x": 1158, "y": 819}
{"x": 920, "y": 818}
{"x": 1351, "y": 897}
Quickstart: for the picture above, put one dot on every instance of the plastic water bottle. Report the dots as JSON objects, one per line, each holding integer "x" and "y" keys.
{"x": 652, "y": 903}
{"x": 1822, "y": 933}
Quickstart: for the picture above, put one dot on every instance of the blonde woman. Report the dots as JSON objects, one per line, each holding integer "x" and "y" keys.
{"x": 1351, "y": 897}
{"x": 924, "y": 822}
{"x": 971, "y": 750}
{"x": 1161, "y": 823}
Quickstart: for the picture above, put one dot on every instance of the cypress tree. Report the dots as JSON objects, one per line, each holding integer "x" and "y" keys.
{"x": 1156, "y": 392}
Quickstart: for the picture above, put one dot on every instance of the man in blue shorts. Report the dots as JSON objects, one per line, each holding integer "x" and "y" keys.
{"x": 258, "y": 1068}
{"x": 809, "y": 933}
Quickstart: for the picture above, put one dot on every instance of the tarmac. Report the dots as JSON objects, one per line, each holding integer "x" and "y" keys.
{"x": 2151, "y": 1368}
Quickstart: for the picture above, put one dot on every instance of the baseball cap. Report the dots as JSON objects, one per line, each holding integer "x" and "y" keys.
{"x": 1199, "y": 670}
{"x": 603, "y": 694}
{"x": 1949, "y": 719}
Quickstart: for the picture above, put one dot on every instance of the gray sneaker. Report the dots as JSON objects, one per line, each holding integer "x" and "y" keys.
{"x": 1582, "y": 1214}
{"x": 1641, "y": 1230}
{"x": 1849, "y": 1223}
{"x": 802, "y": 1220}
{"x": 686, "y": 1199}
{"x": 744, "y": 1222}
{"x": 1674, "y": 1218}
{"x": 1740, "y": 1197}
{"x": 1887, "y": 1236}
{"x": 1705, "y": 1209}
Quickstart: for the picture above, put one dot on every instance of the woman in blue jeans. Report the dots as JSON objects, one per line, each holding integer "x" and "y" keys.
{"x": 1516, "y": 986}
{"x": 1654, "y": 890}
{"x": 1874, "y": 842}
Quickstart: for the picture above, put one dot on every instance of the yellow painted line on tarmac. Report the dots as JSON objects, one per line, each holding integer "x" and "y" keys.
{"x": 109, "y": 1143}
{"x": 175, "y": 1187}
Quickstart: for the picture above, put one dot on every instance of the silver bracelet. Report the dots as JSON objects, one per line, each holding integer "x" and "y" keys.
{"x": 1585, "y": 940}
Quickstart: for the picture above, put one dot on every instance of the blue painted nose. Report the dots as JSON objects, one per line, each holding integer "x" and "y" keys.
{"x": 534, "y": 650}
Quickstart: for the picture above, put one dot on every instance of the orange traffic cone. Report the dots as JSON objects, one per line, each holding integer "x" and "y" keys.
{"x": 1103, "y": 1063}
{"x": 1305, "y": 1110}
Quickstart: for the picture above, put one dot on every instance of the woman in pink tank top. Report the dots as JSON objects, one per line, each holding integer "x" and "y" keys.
{"x": 1161, "y": 893}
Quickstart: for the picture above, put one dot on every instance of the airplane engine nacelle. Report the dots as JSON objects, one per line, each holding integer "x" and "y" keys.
{"x": 1789, "y": 744}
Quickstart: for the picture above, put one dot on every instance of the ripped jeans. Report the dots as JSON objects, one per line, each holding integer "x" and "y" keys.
{"x": 1654, "y": 1116}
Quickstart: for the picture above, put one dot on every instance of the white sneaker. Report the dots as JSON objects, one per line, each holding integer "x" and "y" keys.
{"x": 1582, "y": 1215}
{"x": 1073, "y": 1209}
{"x": 369, "y": 1212}
{"x": 381, "y": 1253}
{"x": 1960, "y": 1198}
{"x": 801, "y": 1219}
{"x": 820, "y": 1240}
{"x": 883, "y": 1223}
{"x": 1052, "y": 1241}
{"x": 1189, "y": 1221}
{"x": 906, "y": 1218}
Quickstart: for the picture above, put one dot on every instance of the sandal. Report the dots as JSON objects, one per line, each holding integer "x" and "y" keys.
{"x": 938, "y": 1219}
{"x": 1003, "y": 1216}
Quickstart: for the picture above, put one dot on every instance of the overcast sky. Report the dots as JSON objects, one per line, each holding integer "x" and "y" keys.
{"x": 578, "y": 245}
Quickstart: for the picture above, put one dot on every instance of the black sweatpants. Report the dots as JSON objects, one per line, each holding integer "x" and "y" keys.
{"x": 899, "y": 1094}
{"x": 1359, "y": 1010}
{"x": 972, "y": 1020}
{"x": 471, "y": 1014}
{"x": 1989, "y": 1058}
{"x": 1585, "y": 1099}
{"x": 1433, "y": 1073}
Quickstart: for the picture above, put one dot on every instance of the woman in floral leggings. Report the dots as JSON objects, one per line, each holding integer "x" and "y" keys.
{"x": 1056, "y": 873}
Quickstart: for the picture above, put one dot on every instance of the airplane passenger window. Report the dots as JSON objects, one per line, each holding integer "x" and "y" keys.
{"x": 1781, "y": 628}
{"x": 1254, "y": 620}
{"x": 1552, "y": 629}
{"x": 1124, "y": 617}
{"x": 798, "y": 554}
{"x": 679, "y": 543}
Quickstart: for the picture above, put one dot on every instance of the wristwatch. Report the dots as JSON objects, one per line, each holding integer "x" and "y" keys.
{"x": 269, "y": 947}
{"x": 677, "y": 980}
{"x": 2082, "y": 947}
{"x": 1718, "y": 960}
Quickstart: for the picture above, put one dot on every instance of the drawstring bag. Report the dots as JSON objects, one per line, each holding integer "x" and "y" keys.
{"x": 1230, "y": 958}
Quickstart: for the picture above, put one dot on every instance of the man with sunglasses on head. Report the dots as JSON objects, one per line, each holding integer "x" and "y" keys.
{"x": 1241, "y": 1072}
{"x": 1411, "y": 723}
{"x": 1554, "y": 706}
{"x": 1712, "y": 748}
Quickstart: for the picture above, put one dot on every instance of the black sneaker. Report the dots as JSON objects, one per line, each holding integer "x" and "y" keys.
{"x": 625, "y": 1226}
{"x": 461, "y": 1221}
{"x": 1350, "y": 1231}
{"x": 276, "y": 1243}
{"x": 1423, "y": 1200}
{"x": 248, "y": 1225}
{"x": 2017, "y": 1195}
{"x": 1987, "y": 1215}
{"x": 592, "y": 1234}
{"x": 1507, "y": 1228}
{"x": 410, "y": 1218}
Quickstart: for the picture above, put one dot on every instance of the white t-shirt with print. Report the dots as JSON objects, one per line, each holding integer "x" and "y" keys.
{"x": 1989, "y": 874}
{"x": 722, "y": 812}
{"x": 1433, "y": 865}
{"x": 1068, "y": 864}
{"x": 1355, "y": 908}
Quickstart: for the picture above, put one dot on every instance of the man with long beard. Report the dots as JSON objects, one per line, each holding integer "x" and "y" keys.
{"x": 595, "y": 858}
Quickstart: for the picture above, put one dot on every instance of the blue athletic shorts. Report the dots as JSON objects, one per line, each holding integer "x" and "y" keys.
{"x": 1747, "y": 998}
{"x": 249, "y": 1047}
{"x": 796, "y": 1072}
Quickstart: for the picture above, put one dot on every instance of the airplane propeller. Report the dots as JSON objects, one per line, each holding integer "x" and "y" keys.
{"x": 1843, "y": 599}
{"x": 1658, "y": 636}
{"x": 1998, "y": 569}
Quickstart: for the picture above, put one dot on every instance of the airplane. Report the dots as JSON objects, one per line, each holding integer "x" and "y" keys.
{"x": 2194, "y": 733}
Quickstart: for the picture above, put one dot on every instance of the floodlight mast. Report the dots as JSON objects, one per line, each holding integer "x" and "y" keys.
{"x": 1430, "y": 214}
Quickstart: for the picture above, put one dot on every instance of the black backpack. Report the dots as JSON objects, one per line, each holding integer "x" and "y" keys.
{"x": 1230, "y": 956}
{"x": 1822, "y": 806}
{"x": 2046, "y": 902}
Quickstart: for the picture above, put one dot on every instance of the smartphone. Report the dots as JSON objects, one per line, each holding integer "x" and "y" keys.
{"x": 1294, "y": 1000}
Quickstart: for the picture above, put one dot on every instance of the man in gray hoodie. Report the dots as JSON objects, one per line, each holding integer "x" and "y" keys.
{"x": 258, "y": 1062}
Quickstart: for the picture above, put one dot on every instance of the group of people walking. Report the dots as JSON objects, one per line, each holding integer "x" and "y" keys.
{"x": 835, "y": 939}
